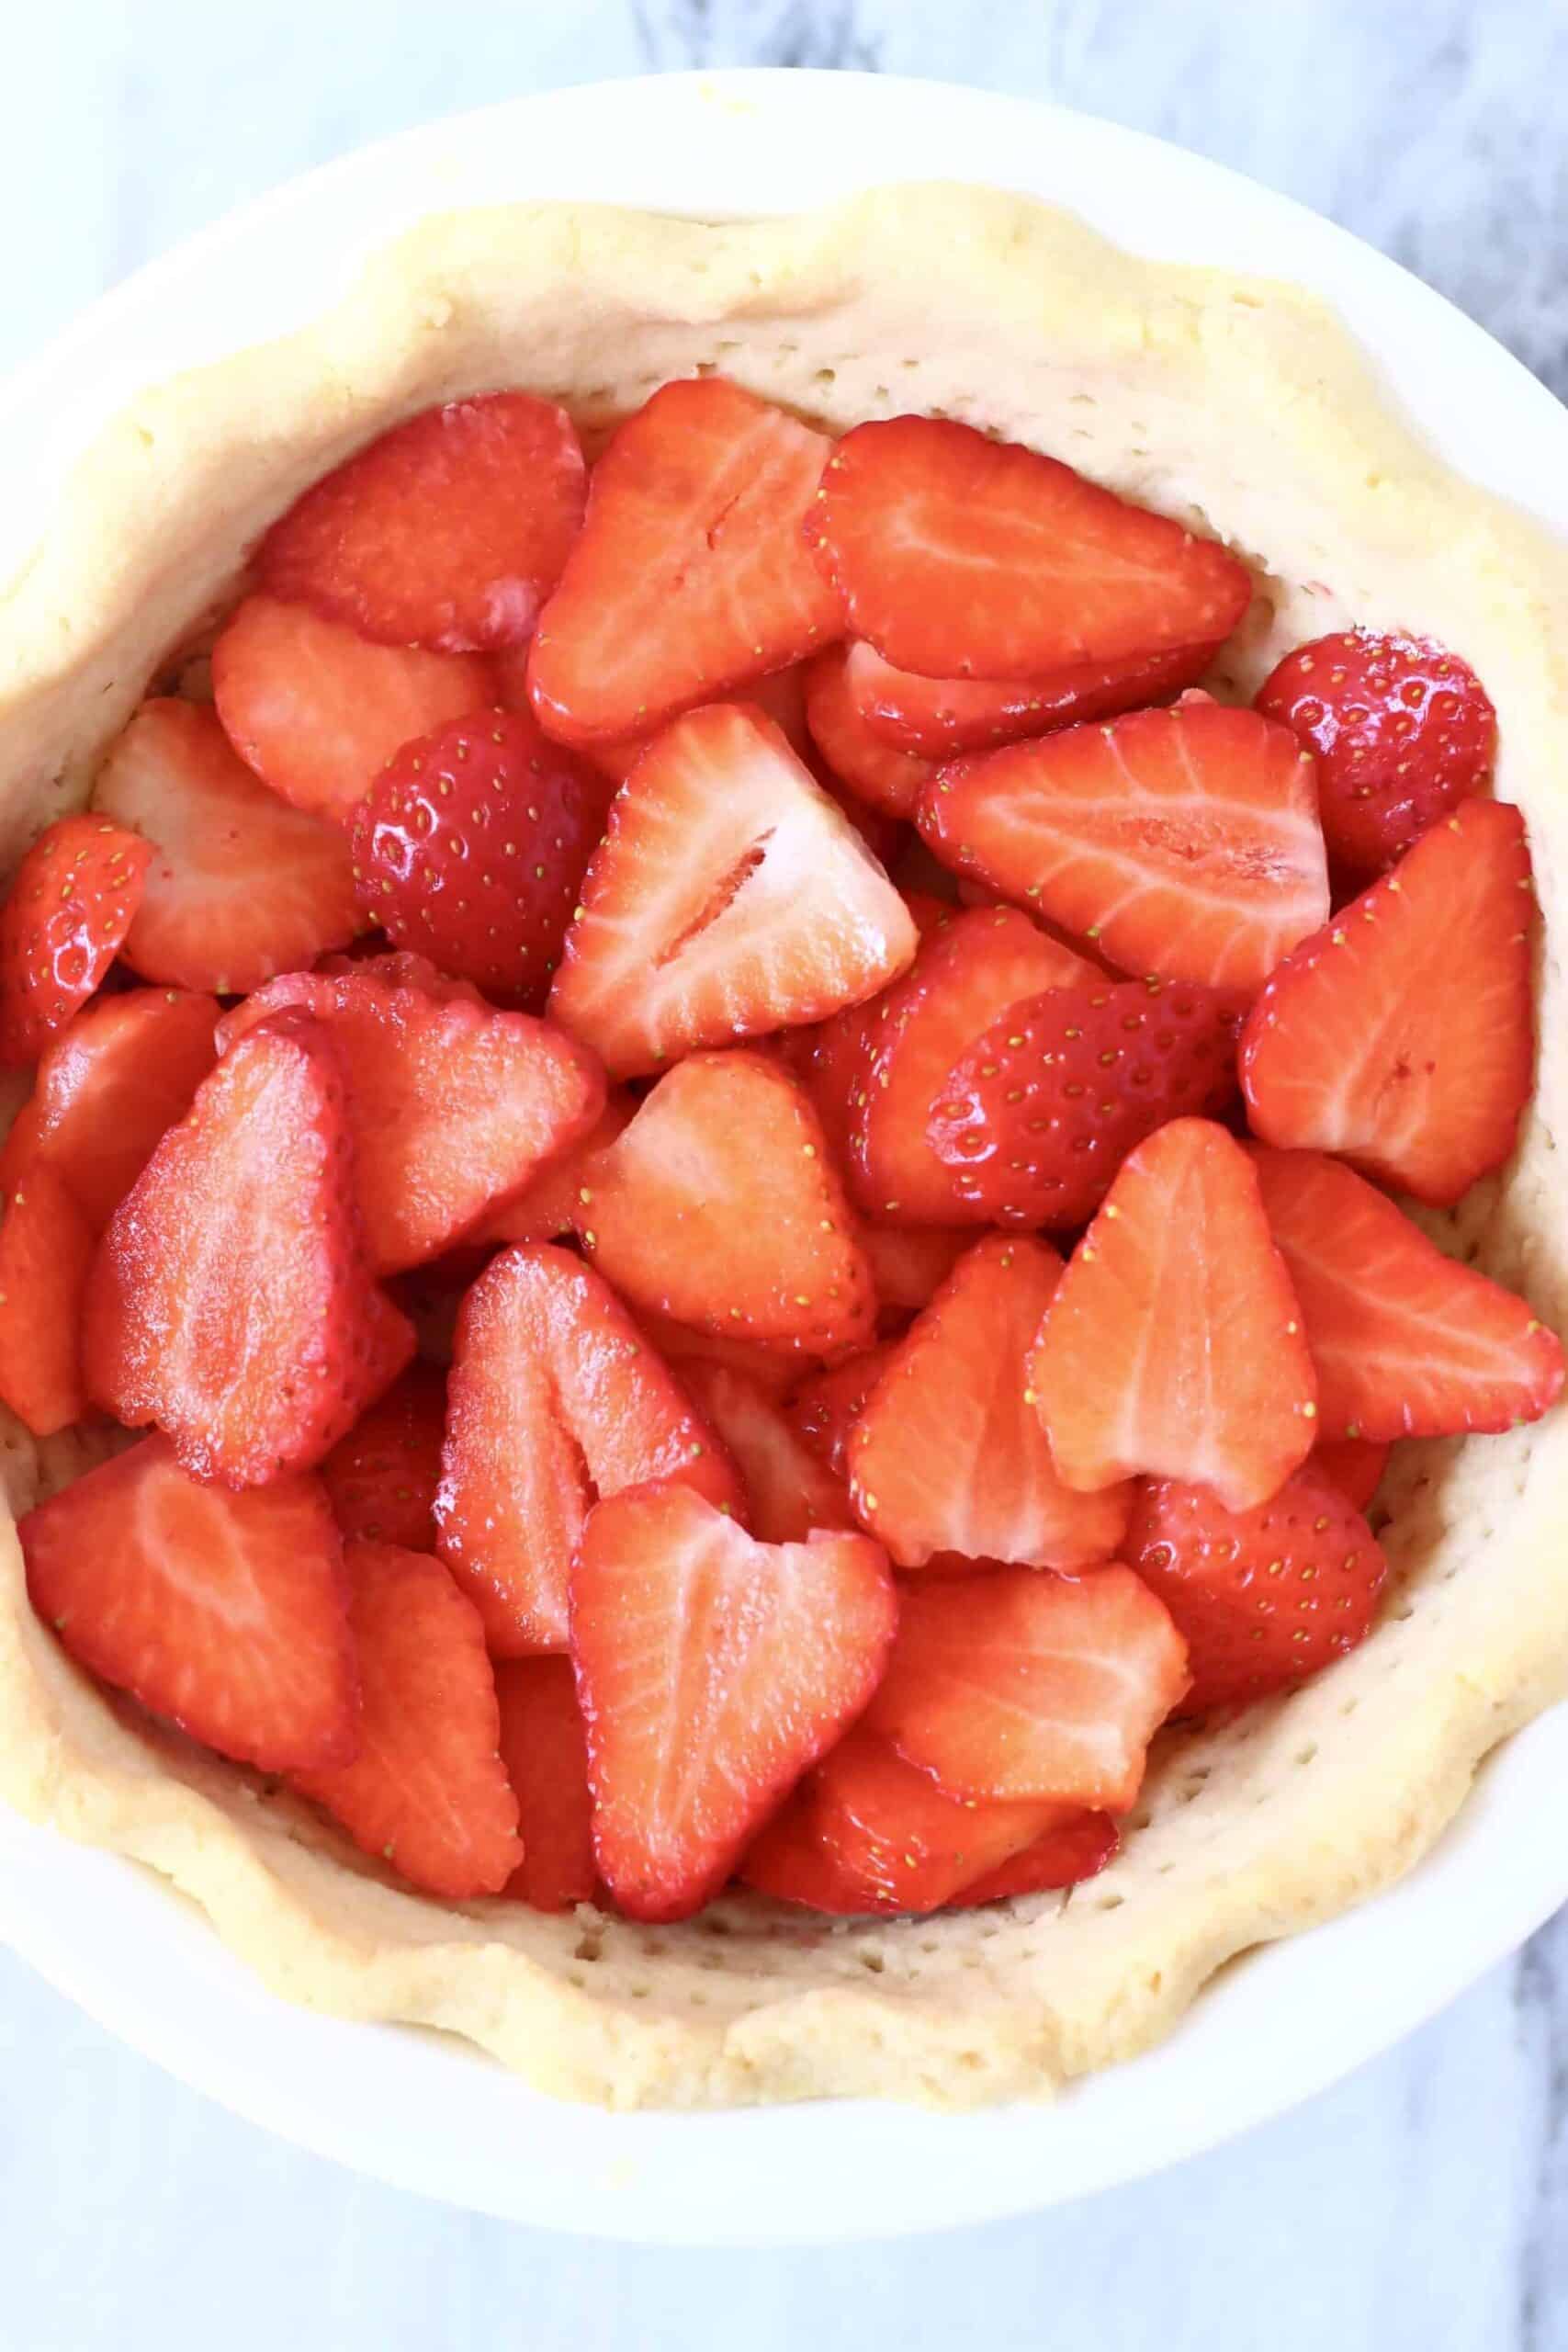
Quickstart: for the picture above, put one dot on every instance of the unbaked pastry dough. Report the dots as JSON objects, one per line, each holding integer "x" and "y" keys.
{"x": 1238, "y": 404}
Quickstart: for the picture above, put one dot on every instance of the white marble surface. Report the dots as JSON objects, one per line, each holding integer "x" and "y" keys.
{"x": 1425, "y": 2202}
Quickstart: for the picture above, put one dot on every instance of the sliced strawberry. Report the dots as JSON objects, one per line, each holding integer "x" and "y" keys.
{"x": 964, "y": 976}
{"x": 70, "y": 902}
{"x": 1406, "y": 1342}
{"x": 1401, "y": 731}
{"x": 1182, "y": 842}
{"x": 728, "y": 898}
{"x": 774, "y": 1369}
{"x": 1173, "y": 1346}
{"x": 46, "y": 1248}
{"x": 1038, "y": 1115}
{"x": 239, "y": 885}
{"x": 940, "y": 718}
{"x": 426, "y": 1790}
{"x": 825, "y": 1409}
{"x": 554, "y": 1400}
{"x": 449, "y": 531}
{"x": 544, "y": 1749}
{"x": 1023, "y": 1684}
{"x": 1262, "y": 1598}
{"x": 225, "y": 1612}
{"x": 1354, "y": 1464}
{"x": 452, "y": 1107}
{"x": 116, "y": 1076}
{"x": 832, "y": 1059}
{"x": 781, "y": 696}
{"x": 381, "y": 1478}
{"x": 396, "y": 967}
{"x": 1401, "y": 1034}
{"x": 884, "y": 776}
{"x": 866, "y": 1832}
{"x": 689, "y": 576}
{"x": 719, "y": 1206}
{"x": 229, "y": 1301}
{"x": 948, "y": 1454}
{"x": 960, "y": 557}
{"x": 910, "y": 1262}
{"x": 713, "y": 1672}
{"x": 1077, "y": 1847}
{"x": 543, "y": 1211}
{"x": 472, "y": 844}
{"x": 789, "y": 1488}
{"x": 317, "y": 711}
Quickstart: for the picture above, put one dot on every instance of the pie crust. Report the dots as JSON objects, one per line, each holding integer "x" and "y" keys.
{"x": 1237, "y": 403}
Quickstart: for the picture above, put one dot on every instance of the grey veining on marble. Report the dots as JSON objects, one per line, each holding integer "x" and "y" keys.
{"x": 1423, "y": 2205}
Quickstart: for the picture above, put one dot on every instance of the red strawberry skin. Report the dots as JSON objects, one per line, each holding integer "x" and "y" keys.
{"x": 544, "y": 1749}
{"x": 45, "y": 1249}
{"x": 1263, "y": 1598}
{"x": 226, "y": 1613}
{"x": 229, "y": 1301}
{"x": 381, "y": 1478}
{"x": 471, "y": 847}
{"x": 1402, "y": 732}
{"x": 960, "y": 557}
{"x": 713, "y": 1672}
{"x": 1400, "y": 1035}
{"x": 825, "y": 1409}
{"x": 449, "y": 531}
{"x": 70, "y": 902}
{"x": 426, "y": 1790}
{"x": 1038, "y": 1115}
{"x": 1354, "y": 1464}
{"x": 1075, "y": 1847}
{"x": 239, "y": 885}
{"x": 941, "y": 719}
{"x": 689, "y": 576}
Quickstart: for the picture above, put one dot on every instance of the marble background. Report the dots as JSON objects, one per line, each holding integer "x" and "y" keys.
{"x": 1423, "y": 2204}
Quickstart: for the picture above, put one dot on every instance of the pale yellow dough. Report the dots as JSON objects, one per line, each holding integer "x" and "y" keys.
{"x": 1237, "y": 404}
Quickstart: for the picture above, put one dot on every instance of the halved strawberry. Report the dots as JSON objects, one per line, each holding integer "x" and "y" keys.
{"x": 449, "y": 530}
{"x": 239, "y": 885}
{"x": 543, "y": 1210}
{"x": 317, "y": 711}
{"x": 1184, "y": 842}
{"x": 1264, "y": 1597}
{"x": 781, "y": 696}
{"x": 719, "y": 1205}
{"x": 46, "y": 1248}
{"x": 470, "y": 845}
{"x": 940, "y": 718}
{"x": 1406, "y": 1342}
{"x": 396, "y": 967}
{"x": 948, "y": 1454}
{"x": 1354, "y": 1464}
{"x": 225, "y": 1612}
{"x": 729, "y": 897}
{"x": 832, "y": 1059}
{"x": 825, "y": 1409}
{"x": 1401, "y": 1034}
{"x": 884, "y": 776}
{"x": 554, "y": 1401}
{"x": 961, "y": 556}
{"x": 70, "y": 902}
{"x": 1173, "y": 1346}
{"x": 452, "y": 1107}
{"x": 426, "y": 1790}
{"x": 1077, "y": 1847}
{"x": 544, "y": 1749}
{"x": 1401, "y": 731}
{"x": 789, "y": 1488}
{"x": 964, "y": 976}
{"x": 1023, "y": 1684}
{"x": 381, "y": 1478}
{"x": 689, "y": 575}
{"x": 116, "y": 1076}
{"x": 1039, "y": 1114}
{"x": 910, "y": 1262}
{"x": 713, "y": 1672}
{"x": 229, "y": 1302}
{"x": 774, "y": 1369}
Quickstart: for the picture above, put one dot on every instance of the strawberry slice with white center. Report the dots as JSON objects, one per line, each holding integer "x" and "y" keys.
{"x": 227, "y": 1613}
{"x": 70, "y": 904}
{"x": 1402, "y": 1035}
{"x": 1182, "y": 842}
{"x": 544, "y": 1210}
{"x": 689, "y": 576}
{"x": 882, "y": 775}
{"x": 941, "y": 719}
{"x": 961, "y": 556}
{"x": 1406, "y": 1342}
{"x": 449, "y": 531}
{"x": 790, "y": 1489}
{"x": 239, "y": 885}
{"x": 948, "y": 1454}
{"x": 1026, "y": 1685}
{"x": 729, "y": 897}
{"x": 719, "y": 1206}
{"x": 713, "y": 1672}
{"x": 555, "y": 1400}
{"x": 45, "y": 1249}
{"x": 1173, "y": 1345}
{"x": 544, "y": 1749}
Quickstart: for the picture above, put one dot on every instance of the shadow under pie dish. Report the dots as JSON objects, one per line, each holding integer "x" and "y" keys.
{"x": 1237, "y": 409}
